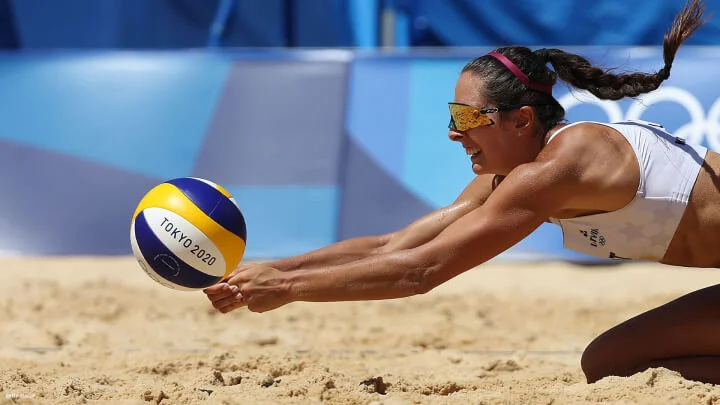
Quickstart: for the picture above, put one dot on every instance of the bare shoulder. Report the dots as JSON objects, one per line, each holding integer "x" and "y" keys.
{"x": 604, "y": 162}
{"x": 580, "y": 137}
{"x": 589, "y": 146}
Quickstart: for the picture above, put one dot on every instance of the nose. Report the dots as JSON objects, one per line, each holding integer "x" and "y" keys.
{"x": 455, "y": 135}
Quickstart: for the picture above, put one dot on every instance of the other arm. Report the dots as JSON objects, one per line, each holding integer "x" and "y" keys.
{"x": 415, "y": 234}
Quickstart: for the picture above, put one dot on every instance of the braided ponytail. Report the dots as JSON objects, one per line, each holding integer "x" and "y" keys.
{"x": 580, "y": 73}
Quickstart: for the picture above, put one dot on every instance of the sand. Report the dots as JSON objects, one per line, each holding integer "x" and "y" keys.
{"x": 98, "y": 330}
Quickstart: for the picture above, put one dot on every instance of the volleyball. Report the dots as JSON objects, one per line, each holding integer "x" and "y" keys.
{"x": 188, "y": 233}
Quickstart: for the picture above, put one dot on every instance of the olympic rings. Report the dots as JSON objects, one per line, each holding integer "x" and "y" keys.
{"x": 702, "y": 128}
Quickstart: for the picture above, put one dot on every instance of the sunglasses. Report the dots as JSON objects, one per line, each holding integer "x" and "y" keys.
{"x": 464, "y": 117}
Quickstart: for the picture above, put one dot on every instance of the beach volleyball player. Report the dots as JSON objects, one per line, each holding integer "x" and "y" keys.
{"x": 623, "y": 191}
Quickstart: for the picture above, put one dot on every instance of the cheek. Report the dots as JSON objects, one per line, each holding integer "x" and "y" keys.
{"x": 497, "y": 152}
{"x": 501, "y": 143}
{"x": 492, "y": 145}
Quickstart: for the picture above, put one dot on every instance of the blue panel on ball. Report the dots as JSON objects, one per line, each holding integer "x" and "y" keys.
{"x": 212, "y": 202}
{"x": 164, "y": 262}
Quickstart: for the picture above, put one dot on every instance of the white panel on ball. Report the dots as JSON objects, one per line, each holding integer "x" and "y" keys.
{"x": 186, "y": 241}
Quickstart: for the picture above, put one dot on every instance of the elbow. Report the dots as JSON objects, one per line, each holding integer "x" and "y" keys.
{"x": 381, "y": 244}
{"x": 431, "y": 267}
{"x": 423, "y": 287}
{"x": 422, "y": 272}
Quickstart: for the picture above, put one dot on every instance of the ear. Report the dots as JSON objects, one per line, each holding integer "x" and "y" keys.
{"x": 524, "y": 117}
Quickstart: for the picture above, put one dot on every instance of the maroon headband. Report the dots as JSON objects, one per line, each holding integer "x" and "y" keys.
{"x": 520, "y": 75}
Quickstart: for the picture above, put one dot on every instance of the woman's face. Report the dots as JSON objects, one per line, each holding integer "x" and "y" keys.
{"x": 501, "y": 143}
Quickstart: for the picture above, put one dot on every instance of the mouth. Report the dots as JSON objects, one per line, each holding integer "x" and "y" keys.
{"x": 472, "y": 152}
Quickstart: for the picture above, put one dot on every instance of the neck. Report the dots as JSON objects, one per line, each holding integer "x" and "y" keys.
{"x": 550, "y": 133}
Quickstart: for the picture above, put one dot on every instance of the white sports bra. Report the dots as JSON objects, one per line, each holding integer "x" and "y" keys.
{"x": 643, "y": 229}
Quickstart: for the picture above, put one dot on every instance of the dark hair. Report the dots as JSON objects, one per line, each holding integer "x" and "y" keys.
{"x": 503, "y": 88}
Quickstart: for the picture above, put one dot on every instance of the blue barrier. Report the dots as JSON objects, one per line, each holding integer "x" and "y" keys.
{"x": 316, "y": 145}
{"x": 176, "y": 24}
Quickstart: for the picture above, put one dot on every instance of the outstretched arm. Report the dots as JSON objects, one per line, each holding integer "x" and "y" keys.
{"x": 527, "y": 197}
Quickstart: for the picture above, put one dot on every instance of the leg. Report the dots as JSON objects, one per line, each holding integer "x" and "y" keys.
{"x": 682, "y": 335}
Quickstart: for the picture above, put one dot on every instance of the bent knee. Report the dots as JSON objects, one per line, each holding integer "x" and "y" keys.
{"x": 592, "y": 365}
{"x": 604, "y": 358}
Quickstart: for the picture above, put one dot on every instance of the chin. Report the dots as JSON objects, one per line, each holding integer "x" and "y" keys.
{"x": 477, "y": 169}
{"x": 481, "y": 170}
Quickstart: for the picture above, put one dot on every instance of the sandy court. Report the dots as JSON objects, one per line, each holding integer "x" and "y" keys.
{"x": 98, "y": 330}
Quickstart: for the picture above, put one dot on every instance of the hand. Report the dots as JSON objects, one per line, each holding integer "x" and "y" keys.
{"x": 259, "y": 287}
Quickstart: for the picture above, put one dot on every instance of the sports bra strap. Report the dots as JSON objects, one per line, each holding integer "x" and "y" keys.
{"x": 562, "y": 129}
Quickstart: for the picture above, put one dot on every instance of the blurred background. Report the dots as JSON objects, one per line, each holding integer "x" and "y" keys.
{"x": 327, "y": 119}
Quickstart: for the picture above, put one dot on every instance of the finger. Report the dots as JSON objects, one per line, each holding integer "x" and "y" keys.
{"x": 239, "y": 278}
{"x": 239, "y": 269}
{"x": 227, "y": 278}
{"x": 217, "y": 288}
{"x": 223, "y": 291}
{"x": 222, "y": 298}
{"x": 233, "y": 306}
{"x": 228, "y": 301}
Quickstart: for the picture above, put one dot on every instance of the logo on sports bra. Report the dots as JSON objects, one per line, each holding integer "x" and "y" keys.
{"x": 594, "y": 237}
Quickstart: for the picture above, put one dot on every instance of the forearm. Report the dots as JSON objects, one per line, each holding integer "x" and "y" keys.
{"x": 385, "y": 276}
{"x": 336, "y": 254}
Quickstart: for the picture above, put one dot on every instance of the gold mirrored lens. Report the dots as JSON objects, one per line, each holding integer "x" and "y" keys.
{"x": 466, "y": 117}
